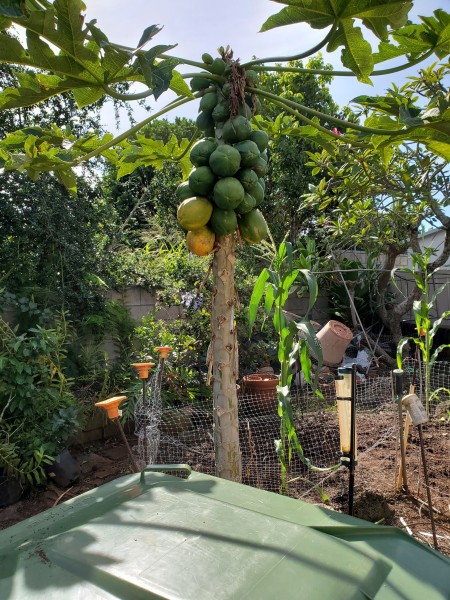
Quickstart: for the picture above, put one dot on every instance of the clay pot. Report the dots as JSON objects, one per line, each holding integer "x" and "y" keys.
{"x": 334, "y": 339}
{"x": 261, "y": 392}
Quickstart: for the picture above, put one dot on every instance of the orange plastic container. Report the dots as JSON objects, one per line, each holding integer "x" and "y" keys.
{"x": 143, "y": 369}
{"x": 111, "y": 405}
{"x": 164, "y": 351}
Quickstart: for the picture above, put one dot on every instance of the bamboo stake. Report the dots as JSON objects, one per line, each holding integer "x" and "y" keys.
{"x": 406, "y": 428}
{"x": 398, "y": 390}
{"x": 407, "y": 424}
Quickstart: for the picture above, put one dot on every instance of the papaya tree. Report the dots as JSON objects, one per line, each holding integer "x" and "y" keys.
{"x": 62, "y": 53}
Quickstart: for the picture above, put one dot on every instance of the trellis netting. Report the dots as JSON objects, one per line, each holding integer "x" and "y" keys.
{"x": 186, "y": 435}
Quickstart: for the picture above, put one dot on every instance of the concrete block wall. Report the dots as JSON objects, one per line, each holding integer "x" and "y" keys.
{"x": 140, "y": 302}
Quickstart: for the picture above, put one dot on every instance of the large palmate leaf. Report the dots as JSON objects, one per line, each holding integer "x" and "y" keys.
{"x": 79, "y": 57}
{"x": 12, "y": 8}
{"x": 376, "y": 15}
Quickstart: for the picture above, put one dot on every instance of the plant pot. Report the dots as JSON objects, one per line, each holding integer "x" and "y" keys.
{"x": 11, "y": 490}
{"x": 260, "y": 393}
{"x": 65, "y": 470}
{"x": 334, "y": 339}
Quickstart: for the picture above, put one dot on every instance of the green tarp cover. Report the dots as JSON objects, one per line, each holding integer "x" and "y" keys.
{"x": 203, "y": 538}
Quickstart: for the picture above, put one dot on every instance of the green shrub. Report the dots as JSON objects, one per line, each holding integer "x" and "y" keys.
{"x": 38, "y": 413}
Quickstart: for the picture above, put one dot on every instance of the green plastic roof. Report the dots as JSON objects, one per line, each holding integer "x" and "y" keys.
{"x": 204, "y": 538}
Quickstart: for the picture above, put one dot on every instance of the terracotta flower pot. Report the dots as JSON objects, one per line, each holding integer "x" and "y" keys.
{"x": 334, "y": 339}
{"x": 260, "y": 390}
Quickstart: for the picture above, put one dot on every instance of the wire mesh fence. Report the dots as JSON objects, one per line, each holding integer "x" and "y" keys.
{"x": 186, "y": 435}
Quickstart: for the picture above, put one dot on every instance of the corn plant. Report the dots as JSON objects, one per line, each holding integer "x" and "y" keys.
{"x": 426, "y": 329}
{"x": 296, "y": 339}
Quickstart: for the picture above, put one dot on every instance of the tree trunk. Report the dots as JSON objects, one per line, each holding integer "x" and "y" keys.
{"x": 224, "y": 356}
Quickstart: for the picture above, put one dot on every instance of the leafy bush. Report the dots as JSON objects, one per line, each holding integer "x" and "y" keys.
{"x": 185, "y": 370}
{"x": 38, "y": 412}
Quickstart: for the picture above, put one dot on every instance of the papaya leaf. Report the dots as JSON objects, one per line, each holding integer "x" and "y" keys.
{"x": 114, "y": 58}
{"x": 414, "y": 40}
{"x": 387, "y": 105}
{"x": 162, "y": 76}
{"x": 376, "y": 15}
{"x": 434, "y": 135}
{"x": 68, "y": 180}
{"x": 70, "y": 29}
{"x": 148, "y": 34}
{"x": 438, "y": 28}
{"x": 357, "y": 53}
{"x": 387, "y": 51}
{"x": 11, "y": 8}
{"x": 185, "y": 165}
{"x": 157, "y": 75}
{"x": 5, "y": 23}
{"x": 88, "y": 95}
{"x": 156, "y": 51}
{"x": 147, "y": 152}
{"x": 319, "y": 137}
{"x": 179, "y": 86}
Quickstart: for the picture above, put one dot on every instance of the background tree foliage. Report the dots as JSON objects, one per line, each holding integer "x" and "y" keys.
{"x": 380, "y": 199}
{"x": 288, "y": 176}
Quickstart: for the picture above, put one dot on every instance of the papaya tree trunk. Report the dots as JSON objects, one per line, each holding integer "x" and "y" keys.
{"x": 224, "y": 355}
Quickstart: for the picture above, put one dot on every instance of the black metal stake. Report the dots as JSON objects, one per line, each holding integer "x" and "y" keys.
{"x": 351, "y": 478}
{"x": 427, "y": 485}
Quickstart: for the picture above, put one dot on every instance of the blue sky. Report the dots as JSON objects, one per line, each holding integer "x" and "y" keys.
{"x": 199, "y": 26}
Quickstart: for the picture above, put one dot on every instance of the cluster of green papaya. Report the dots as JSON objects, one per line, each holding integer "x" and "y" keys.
{"x": 226, "y": 184}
